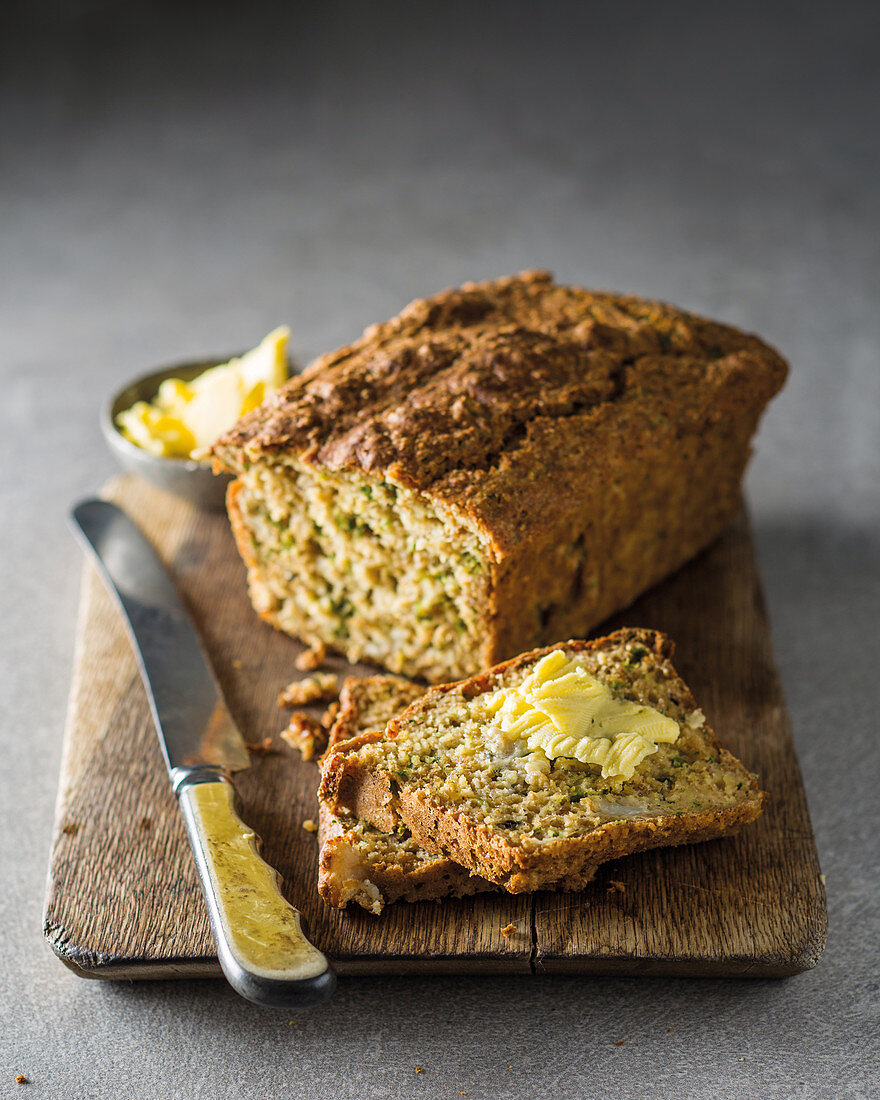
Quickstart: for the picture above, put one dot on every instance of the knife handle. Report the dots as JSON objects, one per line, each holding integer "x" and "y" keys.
{"x": 260, "y": 942}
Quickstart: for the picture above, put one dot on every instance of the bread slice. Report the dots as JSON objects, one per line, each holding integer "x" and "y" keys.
{"x": 530, "y": 820}
{"x": 497, "y": 467}
{"x": 358, "y": 862}
{"x": 369, "y": 703}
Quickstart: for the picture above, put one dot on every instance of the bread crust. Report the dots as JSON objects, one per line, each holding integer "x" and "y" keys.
{"x": 485, "y": 854}
{"x": 463, "y": 391}
{"x": 377, "y": 796}
{"x": 595, "y": 441}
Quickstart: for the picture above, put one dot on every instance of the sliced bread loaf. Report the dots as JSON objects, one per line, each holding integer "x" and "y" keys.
{"x": 497, "y": 467}
{"x": 359, "y": 862}
{"x": 537, "y": 771}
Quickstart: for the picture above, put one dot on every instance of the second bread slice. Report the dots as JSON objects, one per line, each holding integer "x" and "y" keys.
{"x": 358, "y": 862}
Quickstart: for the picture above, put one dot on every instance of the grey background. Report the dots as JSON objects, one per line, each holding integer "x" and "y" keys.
{"x": 178, "y": 180}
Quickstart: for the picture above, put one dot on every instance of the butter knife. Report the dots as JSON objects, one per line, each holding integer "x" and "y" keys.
{"x": 260, "y": 942}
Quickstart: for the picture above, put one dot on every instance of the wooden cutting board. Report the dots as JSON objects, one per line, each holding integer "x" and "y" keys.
{"x": 123, "y": 900}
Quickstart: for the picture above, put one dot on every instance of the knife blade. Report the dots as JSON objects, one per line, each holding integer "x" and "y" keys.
{"x": 261, "y": 946}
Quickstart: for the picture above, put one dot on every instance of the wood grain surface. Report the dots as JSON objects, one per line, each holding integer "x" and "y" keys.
{"x": 123, "y": 900}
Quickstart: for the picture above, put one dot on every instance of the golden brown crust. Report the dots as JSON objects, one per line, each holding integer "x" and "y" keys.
{"x": 236, "y": 520}
{"x": 567, "y": 863}
{"x": 346, "y": 787}
{"x": 499, "y": 398}
{"x": 485, "y": 853}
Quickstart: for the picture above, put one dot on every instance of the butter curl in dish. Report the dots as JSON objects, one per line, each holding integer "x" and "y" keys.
{"x": 161, "y": 424}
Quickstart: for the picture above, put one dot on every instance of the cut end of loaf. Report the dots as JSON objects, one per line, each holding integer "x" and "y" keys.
{"x": 376, "y": 571}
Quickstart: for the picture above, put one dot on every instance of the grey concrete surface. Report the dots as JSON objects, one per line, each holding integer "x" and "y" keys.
{"x": 179, "y": 179}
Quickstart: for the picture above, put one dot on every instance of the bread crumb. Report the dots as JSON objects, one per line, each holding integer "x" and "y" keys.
{"x": 311, "y": 658}
{"x": 22, "y": 1080}
{"x": 310, "y": 826}
{"x": 615, "y": 887}
{"x": 509, "y": 930}
{"x": 320, "y": 688}
{"x": 619, "y": 1042}
{"x": 72, "y": 828}
{"x": 262, "y": 748}
{"x": 329, "y": 715}
{"x": 145, "y": 823}
{"x": 670, "y": 1029}
{"x": 419, "y": 1069}
{"x": 237, "y": 663}
{"x": 822, "y": 879}
{"x": 306, "y": 734}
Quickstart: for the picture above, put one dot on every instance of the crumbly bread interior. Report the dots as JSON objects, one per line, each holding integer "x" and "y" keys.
{"x": 384, "y": 573}
{"x": 360, "y": 863}
{"x": 523, "y": 821}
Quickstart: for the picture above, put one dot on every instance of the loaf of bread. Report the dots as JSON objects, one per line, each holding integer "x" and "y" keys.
{"x": 537, "y": 771}
{"x": 358, "y": 862}
{"x": 496, "y": 467}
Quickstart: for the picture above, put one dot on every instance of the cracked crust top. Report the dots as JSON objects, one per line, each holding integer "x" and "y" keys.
{"x": 492, "y": 395}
